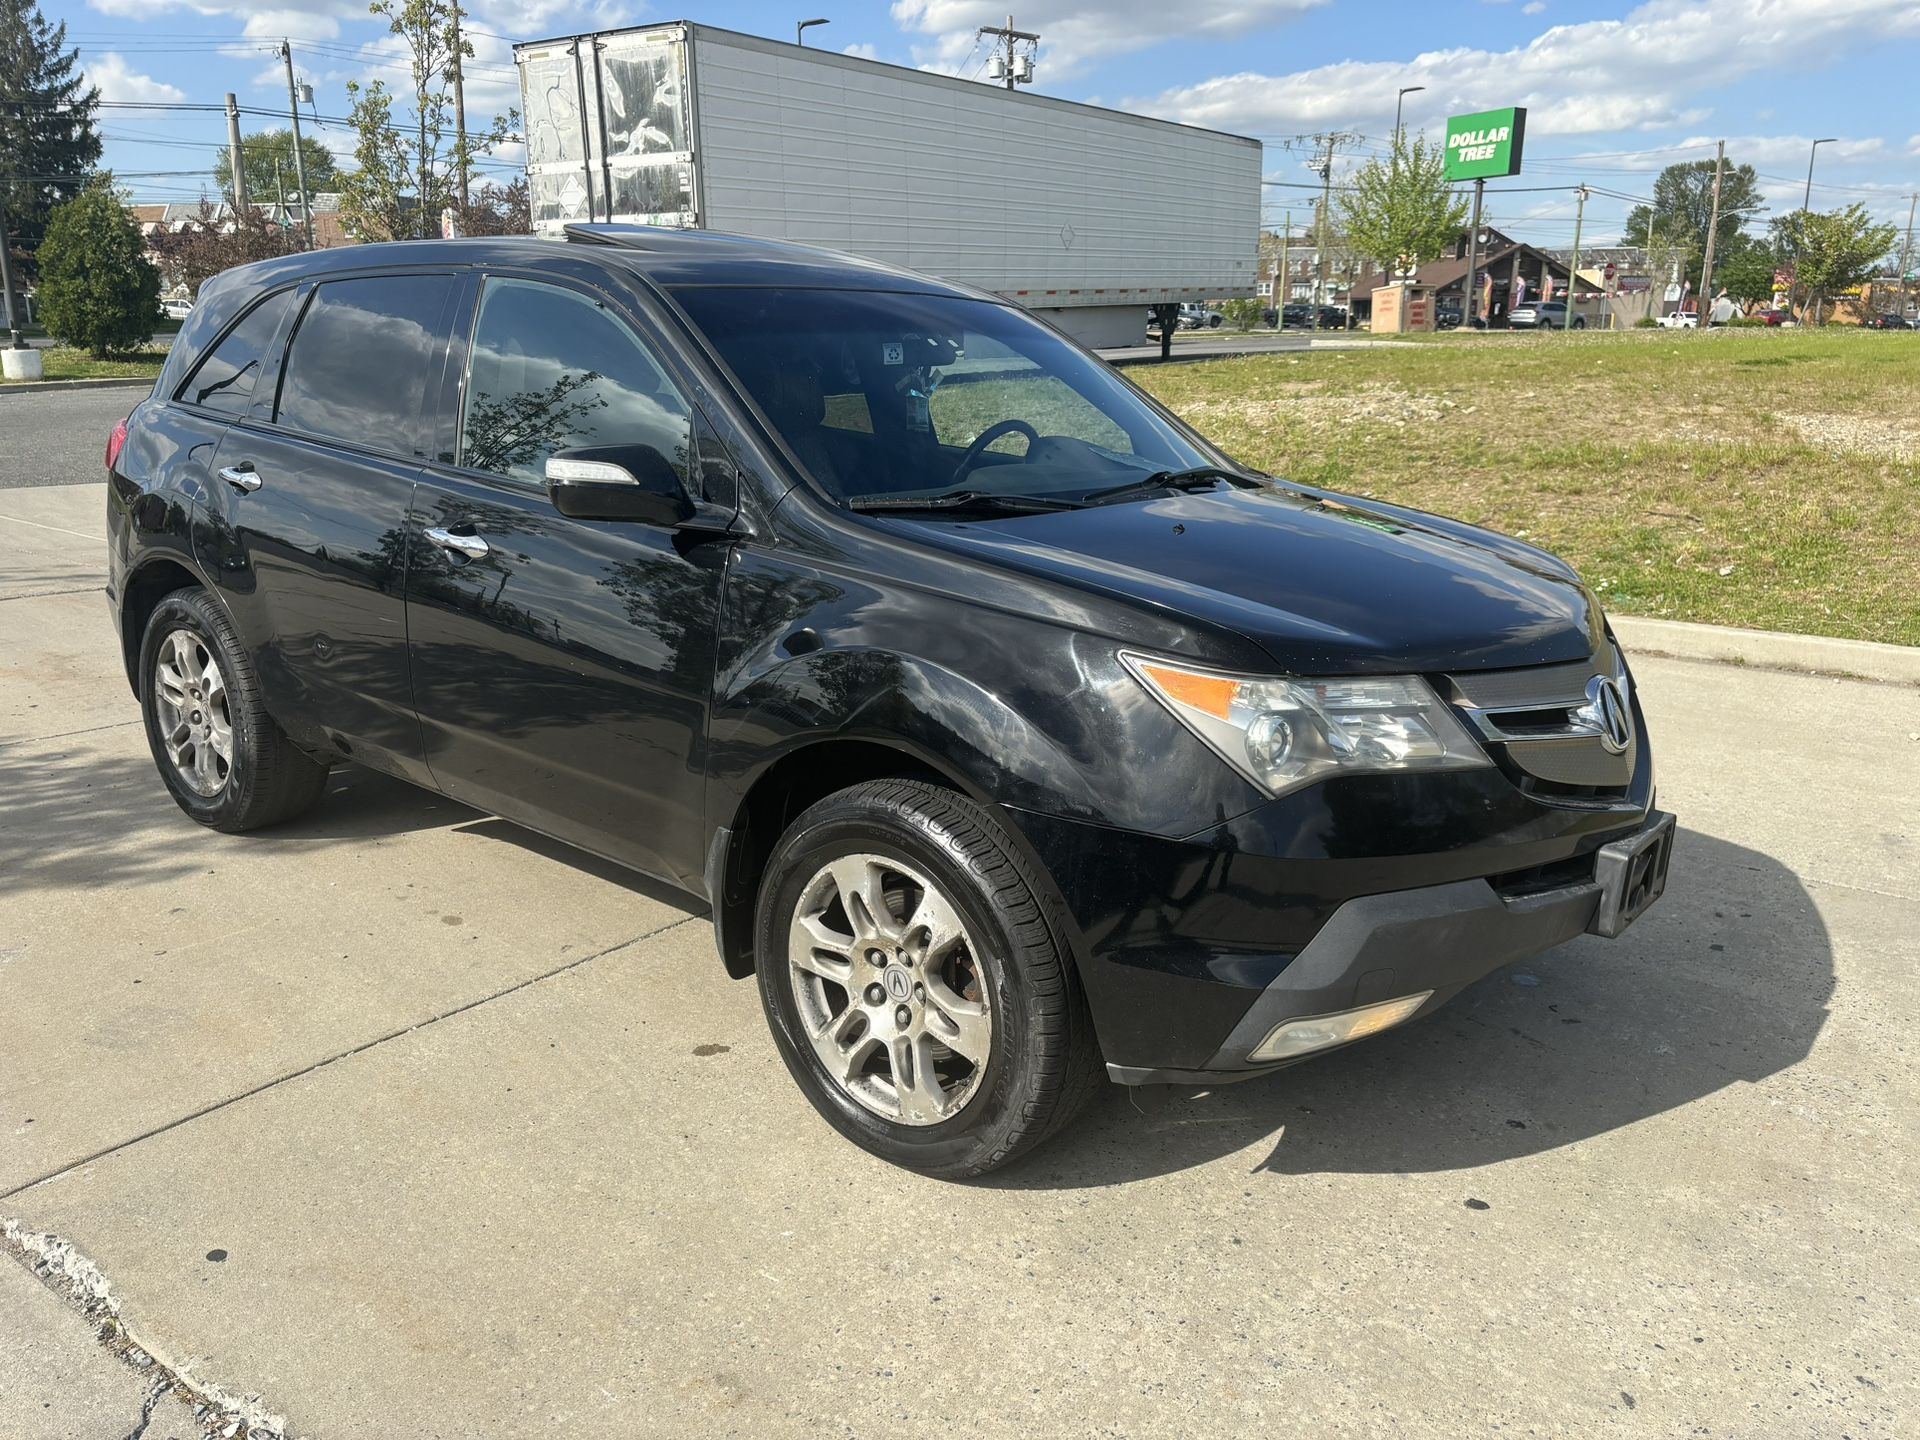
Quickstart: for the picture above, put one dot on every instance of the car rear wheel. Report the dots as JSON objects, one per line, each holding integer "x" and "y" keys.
{"x": 913, "y": 984}
{"x": 223, "y": 759}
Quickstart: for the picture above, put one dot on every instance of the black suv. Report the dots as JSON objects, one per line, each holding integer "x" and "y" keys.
{"x": 1014, "y": 734}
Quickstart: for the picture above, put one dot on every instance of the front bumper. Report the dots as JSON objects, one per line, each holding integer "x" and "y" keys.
{"x": 1435, "y": 941}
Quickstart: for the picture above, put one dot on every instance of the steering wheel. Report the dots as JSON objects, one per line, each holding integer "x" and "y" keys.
{"x": 986, "y": 437}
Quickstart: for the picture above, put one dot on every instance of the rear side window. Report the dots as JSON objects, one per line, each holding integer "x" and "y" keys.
{"x": 224, "y": 380}
{"x": 361, "y": 360}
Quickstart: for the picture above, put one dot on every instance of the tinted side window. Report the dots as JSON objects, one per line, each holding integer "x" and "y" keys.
{"x": 225, "y": 379}
{"x": 361, "y": 359}
{"x": 553, "y": 370}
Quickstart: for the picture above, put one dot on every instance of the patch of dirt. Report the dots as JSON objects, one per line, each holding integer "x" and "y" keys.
{"x": 1859, "y": 434}
{"x": 1383, "y": 404}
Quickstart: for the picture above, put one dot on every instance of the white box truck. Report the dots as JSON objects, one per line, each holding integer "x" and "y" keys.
{"x": 1087, "y": 215}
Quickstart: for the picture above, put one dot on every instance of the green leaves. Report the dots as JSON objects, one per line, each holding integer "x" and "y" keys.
{"x": 97, "y": 290}
{"x": 1402, "y": 212}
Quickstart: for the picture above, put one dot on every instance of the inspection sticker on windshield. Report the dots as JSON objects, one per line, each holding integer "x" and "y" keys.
{"x": 892, "y": 352}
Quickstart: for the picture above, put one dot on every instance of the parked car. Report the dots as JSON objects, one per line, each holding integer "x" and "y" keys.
{"x": 1448, "y": 317}
{"x": 176, "y": 309}
{"x": 1296, "y": 314}
{"x": 1774, "y": 317}
{"x": 1199, "y": 317}
{"x": 1681, "y": 320}
{"x": 1543, "y": 315}
{"x": 1888, "y": 321}
{"x": 1011, "y": 741}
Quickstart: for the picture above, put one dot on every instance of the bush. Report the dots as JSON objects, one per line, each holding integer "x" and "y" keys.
{"x": 97, "y": 290}
{"x": 1646, "y": 322}
{"x": 1243, "y": 315}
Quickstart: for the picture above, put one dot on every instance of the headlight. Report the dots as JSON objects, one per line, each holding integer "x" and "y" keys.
{"x": 1283, "y": 734}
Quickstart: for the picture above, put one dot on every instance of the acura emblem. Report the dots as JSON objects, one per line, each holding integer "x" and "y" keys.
{"x": 1606, "y": 710}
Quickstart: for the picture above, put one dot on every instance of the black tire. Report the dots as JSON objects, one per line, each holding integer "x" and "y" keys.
{"x": 1044, "y": 1062}
{"x": 268, "y": 779}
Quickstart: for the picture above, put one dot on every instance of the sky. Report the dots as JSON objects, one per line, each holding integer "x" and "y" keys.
{"x": 1615, "y": 91}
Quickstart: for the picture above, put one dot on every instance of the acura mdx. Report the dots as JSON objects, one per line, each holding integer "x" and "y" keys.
{"x": 1016, "y": 736}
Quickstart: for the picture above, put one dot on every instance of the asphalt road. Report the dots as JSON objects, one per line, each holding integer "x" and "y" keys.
{"x": 412, "y": 1123}
{"x": 59, "y": 437}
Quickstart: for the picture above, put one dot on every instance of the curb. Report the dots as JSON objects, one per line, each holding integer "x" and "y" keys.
{"x": 105, "y": 382}
{"x": 1769, "y": 649}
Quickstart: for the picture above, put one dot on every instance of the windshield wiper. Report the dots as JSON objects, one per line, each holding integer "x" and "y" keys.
{"x": 1199, "y": 477}
{"x": 962, "y": 500}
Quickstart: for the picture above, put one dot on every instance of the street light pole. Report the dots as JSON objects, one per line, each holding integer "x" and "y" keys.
{"x": 1806, "y": 202}
{"x": 1398, "y": 101}
{"x": 800, "y": 30}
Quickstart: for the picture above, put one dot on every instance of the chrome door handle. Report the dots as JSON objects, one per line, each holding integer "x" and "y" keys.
{"x": 242, "y": 477}
{"x": 471, "y": 546}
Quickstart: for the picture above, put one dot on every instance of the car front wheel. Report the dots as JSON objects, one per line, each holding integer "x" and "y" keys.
{"x": 913, "y": 984}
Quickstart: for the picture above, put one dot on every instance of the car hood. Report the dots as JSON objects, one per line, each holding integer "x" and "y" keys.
{"x": 1325, "y": 584}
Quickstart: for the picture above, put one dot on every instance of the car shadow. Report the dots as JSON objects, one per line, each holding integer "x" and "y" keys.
{"x": 1726, "y": 981}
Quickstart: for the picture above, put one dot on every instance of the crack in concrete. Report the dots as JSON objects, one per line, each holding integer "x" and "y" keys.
{"x": 155, "y": 1393}
{"x": 347, "y": 1054}
{"x": 215, "y": 1413}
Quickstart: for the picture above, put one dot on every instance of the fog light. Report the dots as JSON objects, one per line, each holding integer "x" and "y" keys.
{"x": 1303, "y": 1037}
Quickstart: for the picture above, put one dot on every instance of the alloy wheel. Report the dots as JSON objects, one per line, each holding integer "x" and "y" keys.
{"x": 890, "y": 989}
{"x": 190, "y": 701}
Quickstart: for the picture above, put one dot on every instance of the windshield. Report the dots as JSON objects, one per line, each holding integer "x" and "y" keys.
{"x": 884, "y": 395}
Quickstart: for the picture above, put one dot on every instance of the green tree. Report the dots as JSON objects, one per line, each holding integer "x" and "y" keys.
{"x": 97, "y": 289}
{"x": 1832, "y": 252}
{"x": 1401, "y": 212}
{"x": 1748, "y": 275}
{"x": 266, "y": 158}
{"x": 48, "y": 144}
{"x": 409, "y": 172}
{"x": 1682, "y": 211}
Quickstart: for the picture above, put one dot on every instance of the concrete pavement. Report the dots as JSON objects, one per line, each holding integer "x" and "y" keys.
{"x": 412, "y": 1123}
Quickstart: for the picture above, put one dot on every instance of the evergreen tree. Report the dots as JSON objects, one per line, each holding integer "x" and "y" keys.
{"x": 98, "y": 290}
{"x": 48, "y": 143}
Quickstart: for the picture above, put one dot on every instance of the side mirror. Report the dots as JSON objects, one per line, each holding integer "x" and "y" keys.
{"x": 617, "y": 482}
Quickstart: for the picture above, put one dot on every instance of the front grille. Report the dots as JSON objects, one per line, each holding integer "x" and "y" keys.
{"x": 1534, "y": 722}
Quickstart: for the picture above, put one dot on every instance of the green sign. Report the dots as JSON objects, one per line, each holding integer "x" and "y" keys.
{"x": 1487, "y": 145}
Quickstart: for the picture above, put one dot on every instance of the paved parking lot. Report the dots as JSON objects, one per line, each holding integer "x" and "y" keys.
{"x": 413, "y": 1123}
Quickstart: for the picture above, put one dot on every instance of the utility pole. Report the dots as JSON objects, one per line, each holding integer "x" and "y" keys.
{"x": 1473, "y": 257}
{"x": 1906, "y": 252}
{"x": 236, "y": 160}
{"x": 299, "y": 154}
{"x": 1713, "y": 230}
{"x": 6, "y": 284}
{"x": 1573, "y": 270}
{"x": 459, "y": 117}
{"x": 1008, "y": 35}
{"x": 1286, "y": 275}
{"x": 1324, "y": 223}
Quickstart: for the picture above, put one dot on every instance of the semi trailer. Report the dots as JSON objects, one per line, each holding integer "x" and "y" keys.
{"x": 1087, "y": 215}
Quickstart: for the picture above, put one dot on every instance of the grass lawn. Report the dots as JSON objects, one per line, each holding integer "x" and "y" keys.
{"x": 62, "y": 363}
{"x": 1761, "y": 478}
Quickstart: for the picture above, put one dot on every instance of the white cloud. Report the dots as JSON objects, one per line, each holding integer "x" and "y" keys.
{"x": 1533, "y": 7}
{"x": 1603, "y": 75}
{"x": 292, "y": 25}
{"x": 1075, "y": 32}
{"x": 862, "y": 51}
{"x": 119, "y": 82}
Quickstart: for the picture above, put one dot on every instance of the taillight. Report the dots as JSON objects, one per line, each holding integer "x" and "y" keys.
{"x": 114, "y": 443}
